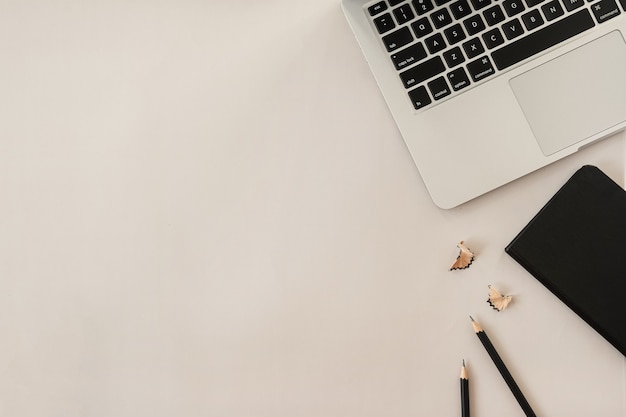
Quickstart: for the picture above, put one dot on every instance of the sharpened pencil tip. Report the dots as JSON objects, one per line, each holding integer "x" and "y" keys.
{"x": 472, "y": 318}
{"x": 463, "y": 371}
{"x": 475, "y": 325}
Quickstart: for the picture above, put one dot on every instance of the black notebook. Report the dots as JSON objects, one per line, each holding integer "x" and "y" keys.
{"x": 576, "y": 247}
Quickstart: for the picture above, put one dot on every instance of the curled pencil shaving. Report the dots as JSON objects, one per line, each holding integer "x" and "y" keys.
{"x": 465, "y": 258}
{"x": 496, "y": 300}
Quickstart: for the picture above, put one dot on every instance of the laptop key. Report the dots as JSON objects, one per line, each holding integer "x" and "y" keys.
{"x": 605, "y": 10}
{"x": 493, "y": 38}
{"x": 423, "y": 6}
{"x": 512, "y": 29}
{"x": 542, "y": 39}
{"x": 458, "y": 79}
{"x": 397, "y": 39}
{"x": 474, "y": 24}
{"x": 460, "y": 9}
{"x": 454, "y": 34}
{"x": 409, "y": 56}
{"x": 422, "y": 27}
{"x": 479, "y": 4}
{"x": 419, "y": 97}
{"x": 453, "y": 57}
{"x": 532, "y": 20}
{"x": 473, "y": 48}
{"x": 441, "y": 18}
{"x": 572, "y": 5}
{"x": 480, "y": 69}
{"x": 439, "y": 88}
{"x": 435, "y": 43}
{"x": 377, "y": 8}
{"x": 422, "y": 72}
{"x": 384, "y": 23}
{"x": 552, "y": 10}
{"x": 494, "y": 15}
{"x": 403, "y": 14}
{"x": 513, "y": 7}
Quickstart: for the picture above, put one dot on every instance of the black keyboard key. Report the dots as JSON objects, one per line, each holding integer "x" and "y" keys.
{"x": 532, "y": 3}
{"x": 454, "y": 57}
{"x": 423, "y": 6}
{"x": 384, "y": 23}
{"x": 571, "y": 5}
{"x": 397, "y": 39}
{"x": 473, "y": 48}
{"x": 552, "y": 10}
{"x": 441, "y": 18}
{"x": 532, "y": 20}
{"x": 458, "y": 79}
{"x": 439, "y": 88}
{"x": 460, "y": 9}
{"x": 512, "y": 29}
{"x": 377, "y": 8}
{"x": 422, "y": 27}
{"x": 513, "y": 7}
{"x": 480, "y": 69}
{"x": 441, "y": 2}
{"x": 454, "y": 34}
{"x": 605, "y": 10}
{"x": 419, "y": 97}
{"x": 543, "y": 39}
{"x": 479, "y": 4}
{"x": 435, "y": 43}
{"x": 422, "y": 72}
{"x": 408, "y": 56}
{"x": 474, "y": 24}
{"x": 494, "y": 15}
{"x": 493, "y": 38}
{"x": 395, "y": 2}
{"x": 623, "y": 4}
{"x": 403, "y": 14}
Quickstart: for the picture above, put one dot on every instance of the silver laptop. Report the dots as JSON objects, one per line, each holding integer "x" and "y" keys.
{"x": 486, "y": 91}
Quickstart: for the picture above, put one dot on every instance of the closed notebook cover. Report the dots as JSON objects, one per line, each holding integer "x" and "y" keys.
{"x": 576, "y": 247}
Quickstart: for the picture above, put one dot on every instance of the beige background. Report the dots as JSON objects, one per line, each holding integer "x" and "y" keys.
{"x": 206, "y": 210}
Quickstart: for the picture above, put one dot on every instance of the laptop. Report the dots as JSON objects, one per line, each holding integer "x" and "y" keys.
{"x": 486, "y": 91}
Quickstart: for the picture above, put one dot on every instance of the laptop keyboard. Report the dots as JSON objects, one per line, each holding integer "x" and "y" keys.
{"x": 442, "y": 47}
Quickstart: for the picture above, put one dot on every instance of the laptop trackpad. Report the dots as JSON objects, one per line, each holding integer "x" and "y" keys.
{"x": 576, "y": 95}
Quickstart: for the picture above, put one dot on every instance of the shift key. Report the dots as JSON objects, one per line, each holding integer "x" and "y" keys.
{"x": 420, "y": 73}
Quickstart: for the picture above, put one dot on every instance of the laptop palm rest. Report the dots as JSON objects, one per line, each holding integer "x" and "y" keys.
{"x": 577, "y": 95}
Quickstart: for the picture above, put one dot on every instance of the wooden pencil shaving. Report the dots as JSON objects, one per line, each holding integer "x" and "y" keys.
{"x": 465, "y": 258}
{"x": 496, "y": 300}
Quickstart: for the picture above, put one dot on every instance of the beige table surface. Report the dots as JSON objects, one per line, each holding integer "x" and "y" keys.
{"x": 206, "y": 210}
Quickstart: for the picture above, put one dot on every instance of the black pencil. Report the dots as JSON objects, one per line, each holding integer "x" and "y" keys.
{"x": 503, "y": 371}
{"x": 465, "y": 409}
